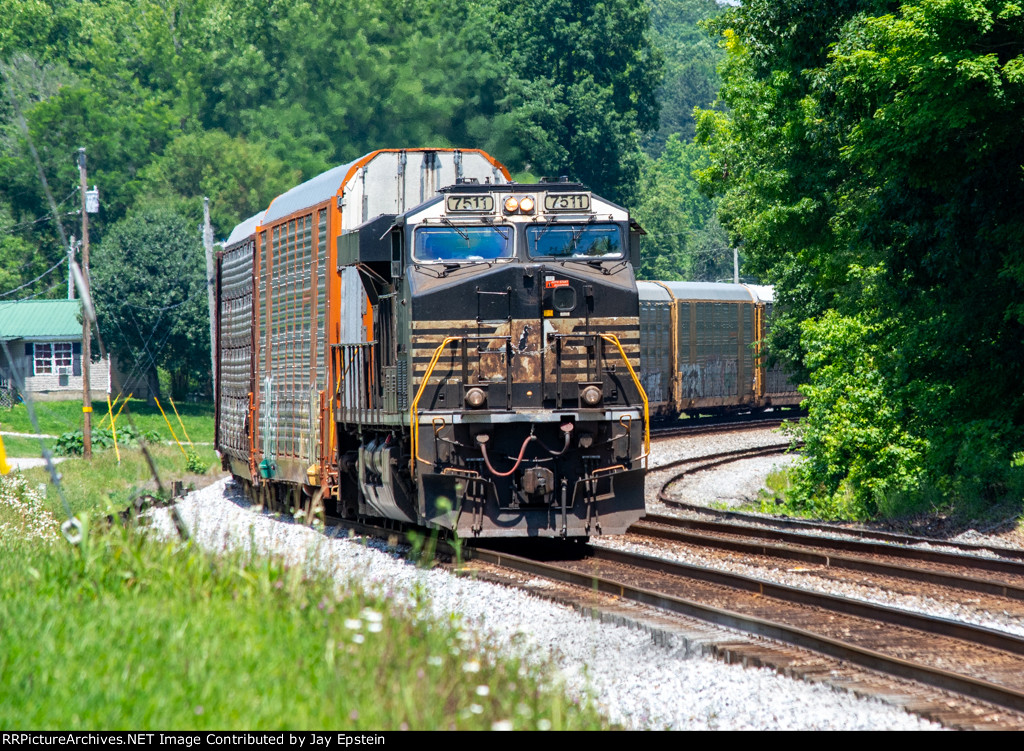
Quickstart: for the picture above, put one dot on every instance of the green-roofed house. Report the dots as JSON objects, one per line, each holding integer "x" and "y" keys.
{"x": 44, "y": 338}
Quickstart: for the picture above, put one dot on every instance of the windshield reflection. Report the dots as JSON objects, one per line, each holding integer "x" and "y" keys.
{"x": 438, "y": 244}
{"x": 574, "y": 241}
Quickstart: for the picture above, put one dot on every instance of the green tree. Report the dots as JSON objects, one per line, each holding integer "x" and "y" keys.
{"x": 149, "y": 286}
{"x": 684, "y": 239}
{"x": 239, "y": 178}
{"x": 177, "y": 98}
{"x": 691, "y": 58}
{"x": 870, "y": 161}
{"x": 20, "y": 264}
{"x": 581, "y": 81}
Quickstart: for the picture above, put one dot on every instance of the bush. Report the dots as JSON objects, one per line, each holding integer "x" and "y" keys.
{"x": 194, "y": 464}
{"x": 860, "y": 448}
{"x": 72, "y": 443}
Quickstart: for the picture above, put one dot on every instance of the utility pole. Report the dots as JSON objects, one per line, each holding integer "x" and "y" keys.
{"x": 735, "y": 264}
{"x": 86, "y": 328}
{"x": 210, "y": 291}
{"x": 71, "y": 278}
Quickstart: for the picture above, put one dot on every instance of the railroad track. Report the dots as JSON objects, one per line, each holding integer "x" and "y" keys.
{"x": 719, "y": 425}
{"x": 780, "y": 525}
{"x": 958, "y": 674}
{"x": 709, "y": 461}
{"x": 973, "y": 662}
{"x": 1001, "y": 576}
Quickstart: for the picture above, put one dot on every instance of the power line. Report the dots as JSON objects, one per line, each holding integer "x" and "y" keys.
{"x": 41, "y": 276}
{"x": 27, "y": 223}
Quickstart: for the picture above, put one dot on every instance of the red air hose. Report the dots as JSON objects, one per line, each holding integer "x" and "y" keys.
{"x": 519, "y": 460}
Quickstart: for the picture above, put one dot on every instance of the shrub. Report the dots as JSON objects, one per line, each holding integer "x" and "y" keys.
{"x": 72, "y": 443}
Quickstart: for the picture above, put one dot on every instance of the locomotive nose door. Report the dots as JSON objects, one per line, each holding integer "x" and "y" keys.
{"x": 527, "y": 360}
{"x": 563, "y": 337}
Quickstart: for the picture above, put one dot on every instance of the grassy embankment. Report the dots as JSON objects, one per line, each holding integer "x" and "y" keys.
{"x": 56, "y": 418}
{"x": 125, "y": 632}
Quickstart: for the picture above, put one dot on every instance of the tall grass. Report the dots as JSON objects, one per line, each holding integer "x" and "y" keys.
{"x": 103, "y": 485}
{"x": 127, "y": 632}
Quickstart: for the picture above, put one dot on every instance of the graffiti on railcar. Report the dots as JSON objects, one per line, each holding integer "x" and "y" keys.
{"x": 717, "y": 377}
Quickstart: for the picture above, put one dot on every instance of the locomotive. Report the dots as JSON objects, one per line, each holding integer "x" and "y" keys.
{"x": 415, "y": 338}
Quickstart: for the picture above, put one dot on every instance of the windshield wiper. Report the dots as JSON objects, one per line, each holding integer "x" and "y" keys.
{"x": 462, "y": 233}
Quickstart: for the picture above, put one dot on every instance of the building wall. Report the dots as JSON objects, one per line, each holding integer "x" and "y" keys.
{"x": 52, "y": 387}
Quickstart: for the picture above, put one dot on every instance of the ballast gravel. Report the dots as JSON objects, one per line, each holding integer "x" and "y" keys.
{"x": 638, "y": 684}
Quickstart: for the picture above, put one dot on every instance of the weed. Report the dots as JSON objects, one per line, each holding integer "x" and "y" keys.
{"x": 194, "y": 464}
{"x": 125, "y": 631}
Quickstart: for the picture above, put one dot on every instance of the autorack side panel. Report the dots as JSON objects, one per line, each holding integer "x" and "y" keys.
{"x": 714, "y": 330}
{"x": 777, "y": 388}
{"x": 288, "y": 404}
{"x": 235, "y": 340}
{"x": 656, "y": 345}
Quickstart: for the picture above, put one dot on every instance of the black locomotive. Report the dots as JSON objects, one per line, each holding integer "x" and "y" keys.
{"x": 470, "y": 363}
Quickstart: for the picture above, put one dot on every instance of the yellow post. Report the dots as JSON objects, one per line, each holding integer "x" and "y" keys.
{"x": 184, "y": 432}
{"x": 113, "y": 428}
{"x": 4, "y": 466}
{"x": 184, "y": 453}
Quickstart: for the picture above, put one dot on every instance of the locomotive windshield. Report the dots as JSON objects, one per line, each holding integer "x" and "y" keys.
{"x": 574, "y": 241}
{"x": 433, "y": 244}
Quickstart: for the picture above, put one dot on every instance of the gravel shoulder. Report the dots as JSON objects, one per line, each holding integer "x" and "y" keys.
{"x": 639, "y": 682}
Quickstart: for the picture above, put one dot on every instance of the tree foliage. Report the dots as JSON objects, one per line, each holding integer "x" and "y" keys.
{"x": 557, "y": 87}
{"x": 691, "y": 59}
{"x": 149, "y": 287}
{"x": 239, "y": 99}
{"x": 872, "y": 165}
{"x": 684, "y": 239}
{"x": 580, "y": 87}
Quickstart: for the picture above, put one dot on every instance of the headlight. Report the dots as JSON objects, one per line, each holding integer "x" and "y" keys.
{"x": 511, "y": 205}
{"x": 476, "y": 397}
{"x": 591, "y": 396}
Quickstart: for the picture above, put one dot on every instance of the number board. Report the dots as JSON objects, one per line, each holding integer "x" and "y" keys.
{"x": 472, "y": 203}
{"x": 567, "y": 202}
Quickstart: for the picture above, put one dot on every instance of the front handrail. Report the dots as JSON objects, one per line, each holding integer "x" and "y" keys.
{"x": 643, "y": 394}
{"x": 414, "y": 425}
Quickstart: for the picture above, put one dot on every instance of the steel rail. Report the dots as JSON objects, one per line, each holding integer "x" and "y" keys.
{"x": 862, "y": 656}
{"x": 1009, "y": 554}
{"x": 661, "y": 432}
{"x": 980, "y": 563}
{"x": 715, "y": 460}
{"x": 646, "y": 527}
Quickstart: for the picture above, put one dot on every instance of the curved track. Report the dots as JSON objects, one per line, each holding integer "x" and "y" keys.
{"x": 999, "y": 576}
{"x": 972, "y": 661}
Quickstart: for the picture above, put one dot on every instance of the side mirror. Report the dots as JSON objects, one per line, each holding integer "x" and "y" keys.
{"x": 397, "y": 252}
{"x": 635, "y": 231}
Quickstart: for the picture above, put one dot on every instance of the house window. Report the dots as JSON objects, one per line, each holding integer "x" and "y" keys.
{"x": 53, "y": 358}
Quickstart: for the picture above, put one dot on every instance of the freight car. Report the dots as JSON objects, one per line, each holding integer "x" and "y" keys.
{"x": 701, "y": 349}
{"x": 414, "y": 338}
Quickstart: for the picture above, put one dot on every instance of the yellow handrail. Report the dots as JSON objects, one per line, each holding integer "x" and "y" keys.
{"x": 414, "y": 426}
{"x": 643, "y": 394}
